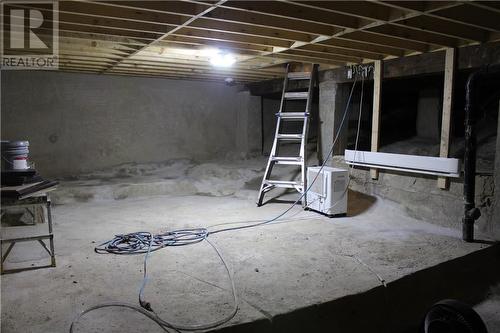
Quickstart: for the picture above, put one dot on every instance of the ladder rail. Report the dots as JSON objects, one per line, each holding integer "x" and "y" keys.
{"x": 274, "y": 148}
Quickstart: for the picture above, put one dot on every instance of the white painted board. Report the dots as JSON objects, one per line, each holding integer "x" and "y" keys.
{"x": 440, "y": 166}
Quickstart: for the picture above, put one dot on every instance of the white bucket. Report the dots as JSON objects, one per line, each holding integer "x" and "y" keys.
{"x": 20, "y": 163}
{"x": 15, "y": 155}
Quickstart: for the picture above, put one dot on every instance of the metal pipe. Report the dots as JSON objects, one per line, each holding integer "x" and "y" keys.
{"x": 471, "y": 212}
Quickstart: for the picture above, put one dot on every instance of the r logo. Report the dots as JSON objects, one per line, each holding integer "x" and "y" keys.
{"x": 17, "y": 29}
{"x": 29, "y": 34}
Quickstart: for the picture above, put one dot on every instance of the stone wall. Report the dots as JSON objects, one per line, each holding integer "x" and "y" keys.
{"x": 423, "y": 200}
{"x": 80, "y": 122}
{"x": 495, "y": 219}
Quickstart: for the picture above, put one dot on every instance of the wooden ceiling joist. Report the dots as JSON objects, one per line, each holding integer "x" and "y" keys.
{"x": 169, "y": 38}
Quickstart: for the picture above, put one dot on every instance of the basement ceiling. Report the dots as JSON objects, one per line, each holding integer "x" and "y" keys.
{"x": 174, "y": 39}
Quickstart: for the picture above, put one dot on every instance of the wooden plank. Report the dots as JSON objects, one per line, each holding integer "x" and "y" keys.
{"x": 362, "y": 46}
{"x": 449, "y": 77}
{"x": 230, "y": 37}
{"x": 249, "y": 30}
{"x": 104, "y": 10}
{"x": 341, "y": 51}
{"x": 324, "y": 56}
{"x": 402, "y": 31}
{"x": 296, "y": 12}
{"x": 377, "y": 90}
{"x": 263, "y": 20}
{"x": 173, "y": 7}
{"x": 214, "y": 44}
{"x": 471, "y": 15}
{"x": 365, "y": 10}
{"x": 186, "y": 23}
{"x": 180, "y": 74}
{"x": 447, "y": 28}
{"x": 374, "y": 38}
{"x": 300, "y": 58}
{"x": 469, "y": 57}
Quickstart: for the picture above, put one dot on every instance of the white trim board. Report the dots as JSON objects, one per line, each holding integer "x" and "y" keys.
{"x": 440, "y": 166}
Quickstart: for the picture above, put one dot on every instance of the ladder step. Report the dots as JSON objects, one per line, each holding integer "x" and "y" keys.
{"x": 292, "y": 137}
{"x": 293, "y": 115}
{"x": 299, "y": 75}
{"x": 297, "y": 95}
{"x": 287, "y": 160}
{"x": 284, "y": 183}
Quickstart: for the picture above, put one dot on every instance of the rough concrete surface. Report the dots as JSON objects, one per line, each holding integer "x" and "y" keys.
{"x": 80, "y": 122}
{"x": 306, "y": 273}
{"x": 421, "y": 198}
{"x": 496, "y": 203}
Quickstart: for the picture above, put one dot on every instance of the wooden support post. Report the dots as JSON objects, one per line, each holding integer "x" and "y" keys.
{"x": 377, "y": 90}
{"x": 449, "y": 77}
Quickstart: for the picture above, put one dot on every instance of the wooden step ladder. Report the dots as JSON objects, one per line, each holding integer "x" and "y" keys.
{"x": 299, "y": 138}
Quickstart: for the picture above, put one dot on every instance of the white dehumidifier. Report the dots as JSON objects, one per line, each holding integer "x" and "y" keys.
{"x": 328, "y": 194}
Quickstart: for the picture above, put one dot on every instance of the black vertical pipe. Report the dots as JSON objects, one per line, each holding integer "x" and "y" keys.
{"x": 470, "y": 211}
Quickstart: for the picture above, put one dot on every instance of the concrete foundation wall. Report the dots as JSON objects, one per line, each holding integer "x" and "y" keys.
{"x": 418, "y": 194}
{"x": 77, "y": 122}
{"x": 495, "y": 220}
{"x": 332, "y": 97}
{"x": 423, "y": 200}
{"x": 429, "y": 114}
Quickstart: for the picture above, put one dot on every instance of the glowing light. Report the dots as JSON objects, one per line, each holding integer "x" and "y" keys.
{"x": 209, "y": 52}
{"x": 222, "y": 59}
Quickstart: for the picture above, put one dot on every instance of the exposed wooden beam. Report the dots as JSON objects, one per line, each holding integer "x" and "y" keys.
{"x": 491, "y": 6}
{"x": 382, "y": 39}
{"x": 449, "y": 80}
{"x": 360, "y": 9}
{"x": 225, "y": 36}
{"x": 356, "y": 32}
{"x": 186, "y": 23}
{"x": 413, "y": 35}
{"x": 434, "y": 25}
{"x": 301, "y": 58}
{"x": 341, "y": 51}
{"x": 264, "y": 20}
{"x": 222, "y": 76}
{"x": 287, "y": 10}
{"x": 360, "y": 46}
{"x": 250, "y": 30}
{"x": 377, "y": 102}
{"x": 203, "y": 43}
{"x": 264, "y": 34}
{"x": 325, "y": 56}
{"x": 173, "y": 66}
{"x": 153, "y": 70}
{"x": 471, "y": 14}
{"x": 186, "y": 8}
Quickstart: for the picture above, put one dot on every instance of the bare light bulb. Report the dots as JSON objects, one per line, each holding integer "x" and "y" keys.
{"x": 221, "y": 59}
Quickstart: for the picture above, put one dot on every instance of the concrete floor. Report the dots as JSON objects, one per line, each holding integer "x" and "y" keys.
{"x": 307, "y": 273}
